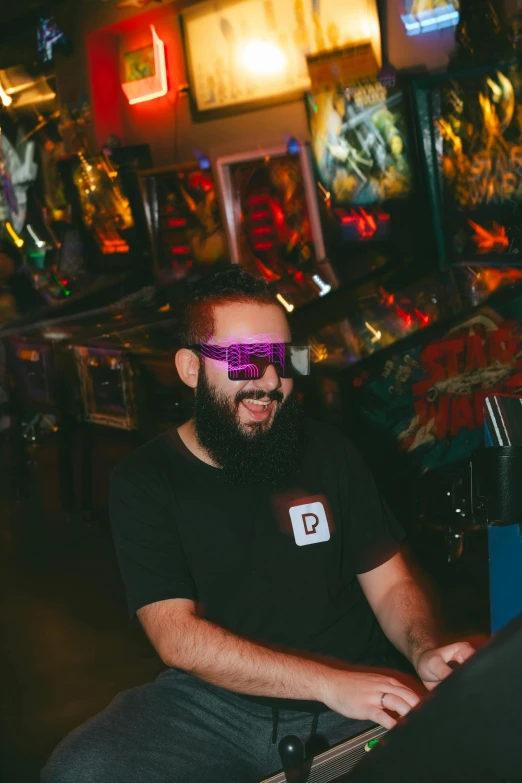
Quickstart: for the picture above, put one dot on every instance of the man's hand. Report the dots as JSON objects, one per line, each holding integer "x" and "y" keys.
{"x": 432, "y": 665}
{"x": 359, "y": 695}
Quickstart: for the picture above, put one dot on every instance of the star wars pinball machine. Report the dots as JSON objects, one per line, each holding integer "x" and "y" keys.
{"x": 410, "y": 390}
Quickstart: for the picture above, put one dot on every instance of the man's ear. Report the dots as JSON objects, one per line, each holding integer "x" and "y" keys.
{"x": 188, "y": 365}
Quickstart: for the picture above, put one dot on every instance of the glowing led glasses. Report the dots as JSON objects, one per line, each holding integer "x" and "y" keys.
{"x": 247, "y": 361}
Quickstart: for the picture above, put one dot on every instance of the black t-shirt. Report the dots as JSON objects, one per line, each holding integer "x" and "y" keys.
{"x": 274, "y": 566}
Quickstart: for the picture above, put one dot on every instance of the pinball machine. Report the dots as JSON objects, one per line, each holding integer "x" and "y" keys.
{"x": 273, "y": 223}
{"x": 127, "y": 384}
{"x": 410, "y": 388}
{"x": 81, "y": 248}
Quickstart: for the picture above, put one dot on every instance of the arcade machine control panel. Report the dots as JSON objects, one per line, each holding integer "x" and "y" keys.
{"x": 326, "y": 766}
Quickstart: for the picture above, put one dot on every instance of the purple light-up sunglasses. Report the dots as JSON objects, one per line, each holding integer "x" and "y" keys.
{"x": 248, "y": 361}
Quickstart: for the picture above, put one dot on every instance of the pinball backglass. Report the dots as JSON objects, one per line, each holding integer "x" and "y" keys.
{"x": 184, "y": 221}
{"x": 471, "y": 129}
{"x": 273, "y": 223}
{"x": 362, "y": 154}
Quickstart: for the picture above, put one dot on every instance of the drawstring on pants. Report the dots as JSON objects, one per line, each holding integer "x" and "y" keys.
{"x": 275, "y": 725}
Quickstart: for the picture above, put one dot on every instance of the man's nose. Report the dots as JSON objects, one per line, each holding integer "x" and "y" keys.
{"x": 270, "y": 380}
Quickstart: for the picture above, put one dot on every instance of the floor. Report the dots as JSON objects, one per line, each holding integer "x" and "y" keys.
{"x": 65, "y": 646}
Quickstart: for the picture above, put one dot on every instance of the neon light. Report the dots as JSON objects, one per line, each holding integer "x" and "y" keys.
{"x": 324, "y": 288}
{"x": 406, "y": 317}
{"x": 431, "y": 19}
{"x": 37, "y": 241}
{"x": 176, "y": 222}
{"x": 376, "y": 334}
{"x": 424, "y": 319}
{"x": 151, "y": 87}
{"x": 19, "y": 242}
{"x": 257, "y": 200}
{"x": 262, "y": 230}
{"x": 485, "y": 240}
{"x": 453, "y": 17}
{"x": 5, "y": 98}
{"x": 259, "y": 215}
{"x": 263, "y": 245}
{"x": 363, "y": 222}
{"x": 180, "y": 250}
{"x": 288, "y": 307}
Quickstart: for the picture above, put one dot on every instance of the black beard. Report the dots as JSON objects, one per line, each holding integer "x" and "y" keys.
{"x": 263, "y": 454}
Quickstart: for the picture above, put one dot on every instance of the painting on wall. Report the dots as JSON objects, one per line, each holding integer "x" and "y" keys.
{"x": 243, "y": 53}
{"x": 139, "y": 64}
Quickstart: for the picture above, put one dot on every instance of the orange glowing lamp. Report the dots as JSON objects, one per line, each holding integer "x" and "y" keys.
{"x": 487, "y": 241}
{"x": 151, "y": 87}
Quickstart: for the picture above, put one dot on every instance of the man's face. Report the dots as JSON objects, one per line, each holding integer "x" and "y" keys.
{"x": 251, "y": 429}
{"x": 254, "y": 402}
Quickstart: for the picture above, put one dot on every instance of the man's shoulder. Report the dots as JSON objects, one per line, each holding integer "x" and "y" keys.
{"x": 146, "y": 460}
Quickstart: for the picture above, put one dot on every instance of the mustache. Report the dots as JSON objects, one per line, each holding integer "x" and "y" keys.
{"x": 259, "y": 394}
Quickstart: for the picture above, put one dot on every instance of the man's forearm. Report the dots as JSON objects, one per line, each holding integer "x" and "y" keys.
{"x": 228, "y": 661}
{"x": 409, "y": 620}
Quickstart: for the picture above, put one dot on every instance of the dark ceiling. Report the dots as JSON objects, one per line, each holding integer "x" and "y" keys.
{"x": 18, "y": 29}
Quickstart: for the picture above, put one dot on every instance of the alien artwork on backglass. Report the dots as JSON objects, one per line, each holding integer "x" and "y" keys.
{"x": 477, "y": 137}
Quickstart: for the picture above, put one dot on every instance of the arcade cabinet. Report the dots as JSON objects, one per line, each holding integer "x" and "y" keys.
{"x": 130, "y": 392}
{"x": 87, "y": 262}
{"x": 497, "y": 502}
{"x": 184, "y": 221}
{"x": 126, "y": 378}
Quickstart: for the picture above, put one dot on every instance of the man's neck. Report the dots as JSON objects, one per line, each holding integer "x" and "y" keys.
{"x": 187, "y": 433}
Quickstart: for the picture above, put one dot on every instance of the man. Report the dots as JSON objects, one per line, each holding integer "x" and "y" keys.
{"x": 263, "y": 566}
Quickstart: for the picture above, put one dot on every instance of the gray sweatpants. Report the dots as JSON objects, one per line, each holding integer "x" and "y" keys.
{"x": 179, "y": 729}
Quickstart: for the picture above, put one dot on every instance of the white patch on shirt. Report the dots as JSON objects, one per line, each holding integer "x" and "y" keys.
{"x": 310, "y": 524}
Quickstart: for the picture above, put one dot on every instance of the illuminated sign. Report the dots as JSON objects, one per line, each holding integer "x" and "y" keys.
{"x": 426, "y": 16}
{"x": 150, "y": 87}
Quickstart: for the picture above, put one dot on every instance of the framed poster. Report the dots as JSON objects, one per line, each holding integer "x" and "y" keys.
{"x": 242, "y": 54}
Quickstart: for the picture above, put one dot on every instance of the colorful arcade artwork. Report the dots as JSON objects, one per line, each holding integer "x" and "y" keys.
{"x": 363, "y": 162}
{"x": 106, "y": 210}
{"x": 429, "y": 398}
{"x": 273, "y": 222}
{"x": 476, "y": 146}
{"x": 361, "y": 151}
{"x": 184, "y": 220}
{"x": 18, "y": 172}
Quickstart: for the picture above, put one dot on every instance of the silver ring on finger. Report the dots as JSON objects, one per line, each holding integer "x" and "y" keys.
{"x": 382, "y": 700}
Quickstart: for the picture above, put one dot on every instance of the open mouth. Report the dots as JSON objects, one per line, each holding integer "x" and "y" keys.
{"x": 259, "y": 410}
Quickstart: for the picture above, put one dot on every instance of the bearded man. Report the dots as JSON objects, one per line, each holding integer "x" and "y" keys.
{"x": 263, "y": 565}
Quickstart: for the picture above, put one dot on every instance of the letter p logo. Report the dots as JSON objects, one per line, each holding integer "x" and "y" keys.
{"x": 309, "y": 524}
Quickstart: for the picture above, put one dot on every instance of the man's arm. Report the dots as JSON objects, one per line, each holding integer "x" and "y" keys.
{"x": 213, "y": 654}
{"x": 408, "y": 619}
